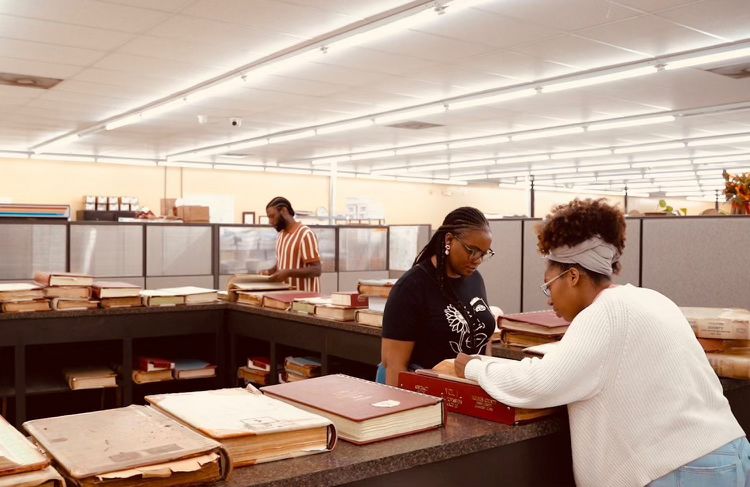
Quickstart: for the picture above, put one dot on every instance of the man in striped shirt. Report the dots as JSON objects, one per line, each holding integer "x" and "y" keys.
{"x": 297, "y": 255}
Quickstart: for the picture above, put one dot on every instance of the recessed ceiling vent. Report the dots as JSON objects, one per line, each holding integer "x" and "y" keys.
{"x": 27, "y": 81}
{"x": 737, "y": 71}
{"x": 414, "y": 125}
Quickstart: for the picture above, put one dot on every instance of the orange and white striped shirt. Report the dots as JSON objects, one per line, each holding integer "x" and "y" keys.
{"x": 297, "y": 249}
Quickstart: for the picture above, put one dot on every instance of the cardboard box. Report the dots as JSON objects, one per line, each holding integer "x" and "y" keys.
{"x": 193, "y": 214}
{"x": 167, "y": 206}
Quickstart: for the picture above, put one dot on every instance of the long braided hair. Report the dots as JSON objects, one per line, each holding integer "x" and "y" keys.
{"x": 456, "y": 222}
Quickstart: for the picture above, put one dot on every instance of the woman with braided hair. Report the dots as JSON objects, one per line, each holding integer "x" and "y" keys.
{"x": 645, "y": 406}
{"x": 438, "y": 308}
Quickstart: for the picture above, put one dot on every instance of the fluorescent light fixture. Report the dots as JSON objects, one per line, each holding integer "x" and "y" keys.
{"x": 375, "y": 177}
{"x": 329, "y": 160}
{"x": 684, "y": 193}
{"x": 341, "y": 127}
{"x": 701, "y": 198}
{"x": 540, "y": 134}
{"x": 193, "y": 165}
{"x": 576, "y": 180}
{"x": 64, "y": 157}
{"x": 476, "y": 177}
{"x": 372, "y": 155}
{"x": 163, "y": 108}
{"x": 318, "y": 172}
{"x": 288, "y": 170}
{"x": 239, "y": 167}
{"x": 679, "y": 162}
{"x": 582, "y": 153}
{"x": 606, "y": 167}
{"x": 708, "y": 58}
{"x": 599, "y": 79}
{"x": 217, "y": 89}
{"x": 126, "y": 161}
{"x": 421, "y": 149}
{"x": 66, "y": 140}
{"x": 620, "y": 160}
{"x": 636, "y": 122}
{"x": 719, "y": 140}
{"x": 490, "y": 99}
{"x": 121, "y": 122}
{"x": 14, "y": 154}
{"x": 286, "y": 138}
{"x": 540, "y": 172}
{"x": 709, "y": 172}
{"x": 406, "y": 179}
{"x": 429, "y": 167}
{"x": 509, "y": 174}
{"x": 451, "y": 182}
{"x": 520, "y": 159}
{"x": 501, "y": 139}
{"x": 650, "y": 147}
{"x": 410, "y": 114}
{"x": 460, "y": 165}
{"x": 248, "y": 145}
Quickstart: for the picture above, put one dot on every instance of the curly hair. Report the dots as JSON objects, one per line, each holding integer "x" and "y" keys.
{"x": 579, "y": 220}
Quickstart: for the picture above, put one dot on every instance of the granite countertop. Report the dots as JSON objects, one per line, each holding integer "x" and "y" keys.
{"x": 111, "y": 311}
{"x": 352, "y": 326}
{"x": 348, "y": 462}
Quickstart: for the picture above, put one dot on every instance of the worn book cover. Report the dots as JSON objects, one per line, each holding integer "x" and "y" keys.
{"x": 536, "y": 322}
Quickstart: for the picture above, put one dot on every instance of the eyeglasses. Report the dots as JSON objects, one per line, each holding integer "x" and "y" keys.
{"x": 475, "y": 253}
{"x": 546, "y": 285}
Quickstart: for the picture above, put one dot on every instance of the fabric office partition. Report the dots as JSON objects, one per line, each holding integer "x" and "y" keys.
{"x": 502, "y": 273}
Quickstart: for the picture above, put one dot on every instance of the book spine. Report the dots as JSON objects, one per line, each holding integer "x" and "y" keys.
{"x": 730, "y": 366}
{"x": 42, "y": 278}
{"x": 723, "y": 329}
{"x": 458, "y": 397}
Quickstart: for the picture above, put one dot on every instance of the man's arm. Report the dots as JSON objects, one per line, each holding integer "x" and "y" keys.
{"x": 311, "y": 270}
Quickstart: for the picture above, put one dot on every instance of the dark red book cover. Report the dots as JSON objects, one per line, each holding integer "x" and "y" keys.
{"x": 351, "y": 299}
{"x": 148, "y": 364}
{"x": 467, "y": 398}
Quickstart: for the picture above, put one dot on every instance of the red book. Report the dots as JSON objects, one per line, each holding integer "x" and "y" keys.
{"x": 464, "y": 396}
{"x": 283, "y": 300}
{"x": 362, "y": 411}
{"x": 149, "y": 364}
{"x": 536, "y": 322}
{"x": 259, "y": 363}
{"x": 350, "y": 299}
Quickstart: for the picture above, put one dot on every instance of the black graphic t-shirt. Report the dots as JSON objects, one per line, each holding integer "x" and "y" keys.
{"x": 416, "y": 311}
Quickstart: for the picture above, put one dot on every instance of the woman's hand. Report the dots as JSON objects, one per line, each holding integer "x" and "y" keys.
{"x": 460, "y": 363}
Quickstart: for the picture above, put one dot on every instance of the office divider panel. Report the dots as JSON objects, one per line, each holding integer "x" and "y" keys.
{"x": 28, "y": 248}
{"x": 404, "y": 243}
{"x": 363, "y": 249}
{"x": 533, "y": 270}
{"x": 107, "y": 251}
{"x": 631, "y": 257}
{"x": 326, "y": 247}
{"x": 329, "y": 283}
{"x": 178, "y": 250}
{"x": 156, "y": 282}
{"x": 348, "y": 280}
{"x": 502, "y": 273}
{"x": 698, "y": 261}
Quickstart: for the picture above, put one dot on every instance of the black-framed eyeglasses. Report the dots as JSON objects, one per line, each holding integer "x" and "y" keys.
{"x": 475, "y": 253}
{"x": 546, "y": 285}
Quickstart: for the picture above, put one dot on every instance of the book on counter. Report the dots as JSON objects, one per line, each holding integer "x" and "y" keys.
{"x": 128, "y": 302}
{"x": 302, "y": 366}
{"x": 375, "y": 287}
{"x": 363, "y": 411}
{"x": 254, "y": 282}
{"x": 255, "y": 376}
{"x": 142, "y": 377}
{"x": 369, "y": 317}
{"x": 258, "y": 362}
{"x": 337, "y": 313}
{"x": 18, "y": 291}
{"x": 255, "y": 298}
{"x": 252, "y": 427}
{"x": 154, "y": 298}
{"x": 349, "y": 299}
{"x": 115, "y": 289}
{"x": 150, "y": 364}
{"x": 733, "y": 363}
{"x": 63, "y": 279}
{"x": 130, "y": 446}
{"x": 721, "y": 323}
{"x": 25, "y": 306}
{"x": 68, "y": 292}
{"x": 70, "y": 304}
{"x": 540, "y": 350}
{"x": 720, "y": 345}
{"x": 377, "y": 304}
{"x": 307, "y": 305}
{"x": 90, "y": 377}
{"x": 464, "y": 396}
{"x": 193, "y": 369}
{"x": 17, "y": 455}
{"x": 531, "y": 328}
{"x": 282, "y": 300}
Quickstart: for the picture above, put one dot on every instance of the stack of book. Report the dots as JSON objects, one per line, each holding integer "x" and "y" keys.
{"x": 253, "y": 282}
{"x": 465, "y": 396}
{"x": 153, "y": 369}
{"x": 282, "y": 300}
{"x": 174, "y": 296}
{"x": 20, "y": 297}
{"x": 343, "y": 307}
{"x": 301, "y": 368}
{"x": 90, "y": 377}
{"x": 67, "y": 290}
{"x": 531, "y": 328}
{"x": 306, "y": 306}
{"x": 128, "y": 447}
{"x": 22, "y": 463}
{"x": 257, "y": 371}
{"x": 724, "y": 334}
{"x": 193, "y": 369}
{"x": 362, "y": 411}
{"x": 377, "y": 290}
{"x": 113, "y": 294}
{"x": 253, "y": 428}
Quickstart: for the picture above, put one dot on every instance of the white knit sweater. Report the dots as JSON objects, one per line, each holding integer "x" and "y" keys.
{"x": 642, "y": 398}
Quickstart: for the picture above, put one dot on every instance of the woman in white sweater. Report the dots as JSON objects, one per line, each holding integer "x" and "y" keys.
{"x": 645, "y": 407}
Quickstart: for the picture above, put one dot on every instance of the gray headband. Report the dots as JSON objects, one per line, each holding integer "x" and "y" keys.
{"x": 593, "y": 254}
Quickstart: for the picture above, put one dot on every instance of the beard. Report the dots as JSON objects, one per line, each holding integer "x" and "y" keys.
{"x": 280, "y": 225}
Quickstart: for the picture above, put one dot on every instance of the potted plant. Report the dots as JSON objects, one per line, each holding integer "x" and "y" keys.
{"x": 737, "y": 192}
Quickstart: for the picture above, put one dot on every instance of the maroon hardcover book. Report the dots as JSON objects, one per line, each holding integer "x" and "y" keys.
{"x": 350, "y": 299}
{"x": 537, "y": 322}
{"x": 464, "y": 396}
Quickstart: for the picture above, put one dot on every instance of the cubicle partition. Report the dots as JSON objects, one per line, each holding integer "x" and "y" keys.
{"x": 404, "y": 243}
{"x": 29, "y": 247}
{"x": 362, "y": 254}
{"x": 503, "y": 273}
{"x": 111, "y": 252}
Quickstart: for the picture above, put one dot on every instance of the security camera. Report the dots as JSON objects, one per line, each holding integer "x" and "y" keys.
{"x": 235, "y": 122}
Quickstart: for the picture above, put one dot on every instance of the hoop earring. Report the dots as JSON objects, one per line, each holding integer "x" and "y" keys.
{"x": 447, "y": 249}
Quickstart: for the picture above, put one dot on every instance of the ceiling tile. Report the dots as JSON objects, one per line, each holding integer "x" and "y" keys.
{"x": 37, "y": 51}
{"x": 578, "y": 52}
{"x": 37, "y": 68}
{"x": 733, "y": 24}
{"x": 60, "y": 34}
